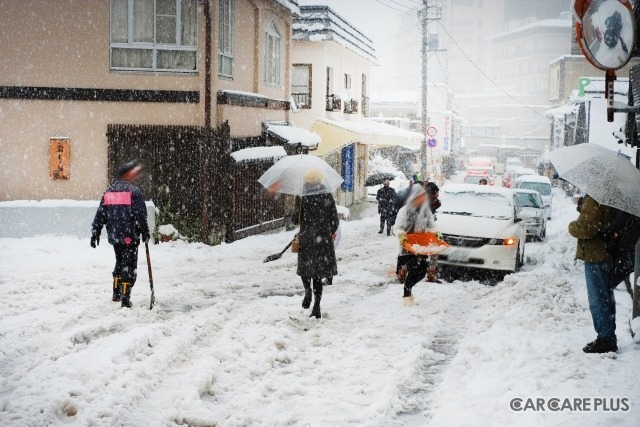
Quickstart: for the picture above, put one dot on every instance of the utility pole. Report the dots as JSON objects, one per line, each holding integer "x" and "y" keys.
{"x": 426, "y": 14}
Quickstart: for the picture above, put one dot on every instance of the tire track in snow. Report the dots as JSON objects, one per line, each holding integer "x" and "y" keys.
{"x": 414, "y": 394}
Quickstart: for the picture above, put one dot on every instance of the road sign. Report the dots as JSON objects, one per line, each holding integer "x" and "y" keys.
{"x": 431, "y": 142}
{"x": 432, "y": 131}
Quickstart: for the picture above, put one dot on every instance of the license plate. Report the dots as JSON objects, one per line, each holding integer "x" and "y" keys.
{"x": 458, "y": 255}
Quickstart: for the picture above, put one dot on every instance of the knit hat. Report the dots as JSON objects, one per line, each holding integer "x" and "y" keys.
{"x": 127, "y": 167}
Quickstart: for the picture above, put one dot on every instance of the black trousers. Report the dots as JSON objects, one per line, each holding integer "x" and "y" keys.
{"x": 416, "y": 269}
{"x": 388, "y": 219}
{"x": 126, "y": 263}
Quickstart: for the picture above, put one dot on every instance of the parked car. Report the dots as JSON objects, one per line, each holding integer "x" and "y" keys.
{"x": 541, "y": 184}
{"x": 483, "y": 227}
{"x": 475, "y": 179}
{"x": 532, "y": 212}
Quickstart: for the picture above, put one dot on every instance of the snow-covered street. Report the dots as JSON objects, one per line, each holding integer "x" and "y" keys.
{"x": 228, "y": 343}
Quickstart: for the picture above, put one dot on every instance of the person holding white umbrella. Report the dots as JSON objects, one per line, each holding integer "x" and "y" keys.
{"x": 318, "y": 219}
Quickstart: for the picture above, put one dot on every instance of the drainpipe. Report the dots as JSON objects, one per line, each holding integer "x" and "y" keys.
{"x": 207, "y": 65}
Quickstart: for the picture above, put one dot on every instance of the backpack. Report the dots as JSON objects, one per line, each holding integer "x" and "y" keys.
{"x": 623, "y": 233}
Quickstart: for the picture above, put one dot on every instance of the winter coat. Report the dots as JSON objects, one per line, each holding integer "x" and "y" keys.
{"x": 123, "y": 210}
{"x": 318, "y": 222}
{"x": 386, "y": 198}
{"x": 412, "y": 220}
{"x": 593, "y": 221}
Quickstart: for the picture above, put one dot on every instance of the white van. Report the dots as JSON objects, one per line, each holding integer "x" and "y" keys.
{"x": 541, "y": 184}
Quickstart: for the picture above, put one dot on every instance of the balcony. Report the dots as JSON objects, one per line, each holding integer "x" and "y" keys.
{"x": 302, "y": 100}
{"x": 351, "y": 107}
{"x": 334, "y": 103}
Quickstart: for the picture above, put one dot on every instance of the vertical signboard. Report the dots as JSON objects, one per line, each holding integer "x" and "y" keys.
{"x": 348, "y": 161}
{"x": 558, "y": 132}
{"x": 446, "y": 137}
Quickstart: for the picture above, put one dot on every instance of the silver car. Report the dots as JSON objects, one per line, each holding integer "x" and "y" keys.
{"x": 532, "y": 212}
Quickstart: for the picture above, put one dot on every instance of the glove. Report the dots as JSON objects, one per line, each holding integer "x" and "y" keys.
{"x": 402, "y": 237}
{"x": 95, "y": 239}
{"x": 145, "y": 237}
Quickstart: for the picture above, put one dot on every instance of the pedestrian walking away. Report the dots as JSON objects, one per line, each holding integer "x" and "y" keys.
{"x": 318, "y": 219}
{"x": 122, "y": 209}
{"x": 414, "y": 217}
{"x": 386, "y": 197}
{"x": 589, "y": 228}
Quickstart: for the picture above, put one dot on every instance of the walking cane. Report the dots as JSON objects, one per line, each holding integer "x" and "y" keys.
{"x": 153, "y": 295}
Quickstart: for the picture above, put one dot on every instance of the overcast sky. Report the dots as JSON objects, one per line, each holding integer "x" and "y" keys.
{"x": 376, "y": 19}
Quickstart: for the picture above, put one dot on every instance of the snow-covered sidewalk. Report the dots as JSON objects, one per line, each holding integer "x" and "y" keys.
{"x": 228, "y": 344}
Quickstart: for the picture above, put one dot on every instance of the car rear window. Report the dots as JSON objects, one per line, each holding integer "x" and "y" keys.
{"x": 529, "y": 200}
{"x": 541, "y": 187}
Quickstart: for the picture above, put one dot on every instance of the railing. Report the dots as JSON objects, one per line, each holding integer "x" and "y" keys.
{"x": 365, "y": 106}
{"x": 333, "y": 103}
{"x": 302, "y": 100}
{"x": 351, "y": 107}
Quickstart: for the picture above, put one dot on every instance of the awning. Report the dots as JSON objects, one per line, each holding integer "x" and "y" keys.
{"x": 285, "y": 133}
{"x": 338, "y": 133}
{"x": 258, "y": 154}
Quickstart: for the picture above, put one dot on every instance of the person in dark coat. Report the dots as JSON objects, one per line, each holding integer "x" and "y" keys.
{"x": 386, "y": 198}
{"x": 589, "y": 228}
{"x": 433, "y": 191}
{"x": 122, "y": 209}
{"x": 318, "y": 219}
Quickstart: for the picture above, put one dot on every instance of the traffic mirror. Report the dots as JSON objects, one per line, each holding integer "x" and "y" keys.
{"x": 605, "y": 31}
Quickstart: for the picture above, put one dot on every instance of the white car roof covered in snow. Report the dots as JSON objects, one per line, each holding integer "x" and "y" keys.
{"x": 465, "y": 188}
{"x": 533, "y": 178}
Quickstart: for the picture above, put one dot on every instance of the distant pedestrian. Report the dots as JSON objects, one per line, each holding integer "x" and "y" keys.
{"x": 433, "y": 191}
{"x": 483, "y": 181}
{"x": 122, "y": 209}
{"x": 318, "y": 218}
{"x": 386, "y": 198}
{"x": 589, "y": 228}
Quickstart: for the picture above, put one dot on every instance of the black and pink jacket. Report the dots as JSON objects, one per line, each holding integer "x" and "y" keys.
{"x": 124, "y": 212}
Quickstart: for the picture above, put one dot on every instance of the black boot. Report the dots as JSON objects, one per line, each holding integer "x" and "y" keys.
{"x": 407, "y": 292}
{"x": 306, "y": 301}
{"x": 381, "y": 227}
{"x": 388, "y": 231}
{"x": 317, "y": 293}
{"x": 116, "y": 289}
{"x": 126, "y": 294}
{"x": 600, "y": 346}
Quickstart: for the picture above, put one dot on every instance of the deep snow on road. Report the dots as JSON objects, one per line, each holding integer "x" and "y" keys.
{"x": 228, "y": 343}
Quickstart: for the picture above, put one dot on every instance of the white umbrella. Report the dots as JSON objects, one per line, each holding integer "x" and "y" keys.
{"x": 607, "y": 176}
{"x": 301, "y": 175}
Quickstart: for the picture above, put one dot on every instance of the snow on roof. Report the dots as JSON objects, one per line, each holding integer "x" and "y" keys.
{"x": 294, "y": 135}
{"x": 540, "y": 26}
{"x": 291, "y": 5}
{"x": 464, "y": 188}
{"x": 321, "y": 23}
{"x": 240, "y": 92}
{"x": 533, "y": 178}
{"x": 259, "y": 153}
{"x": 369, "y": 127}
{"x": 562, "y": 111}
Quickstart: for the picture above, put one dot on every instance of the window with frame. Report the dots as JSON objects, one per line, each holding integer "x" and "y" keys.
{"x": 347, "y": 81}
{"x": 154, "y": 35}
{"x": 301, "y": 85}
{"x": 226, "y": 30}
{"x": 273, "y": 56}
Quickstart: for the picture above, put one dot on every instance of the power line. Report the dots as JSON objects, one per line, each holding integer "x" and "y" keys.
{"x": 397, "y": 10}
{"x": 484, "y": 74}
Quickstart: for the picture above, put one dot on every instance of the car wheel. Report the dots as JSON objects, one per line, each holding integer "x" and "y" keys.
{"x": 544, "y": 233}
{"x": 518, "y": 265}
{"x": 521, "y": 257}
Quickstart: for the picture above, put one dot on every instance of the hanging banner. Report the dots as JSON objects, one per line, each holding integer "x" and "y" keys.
{"x": 558, "y": 132}
{"x": 348, "y": 159}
